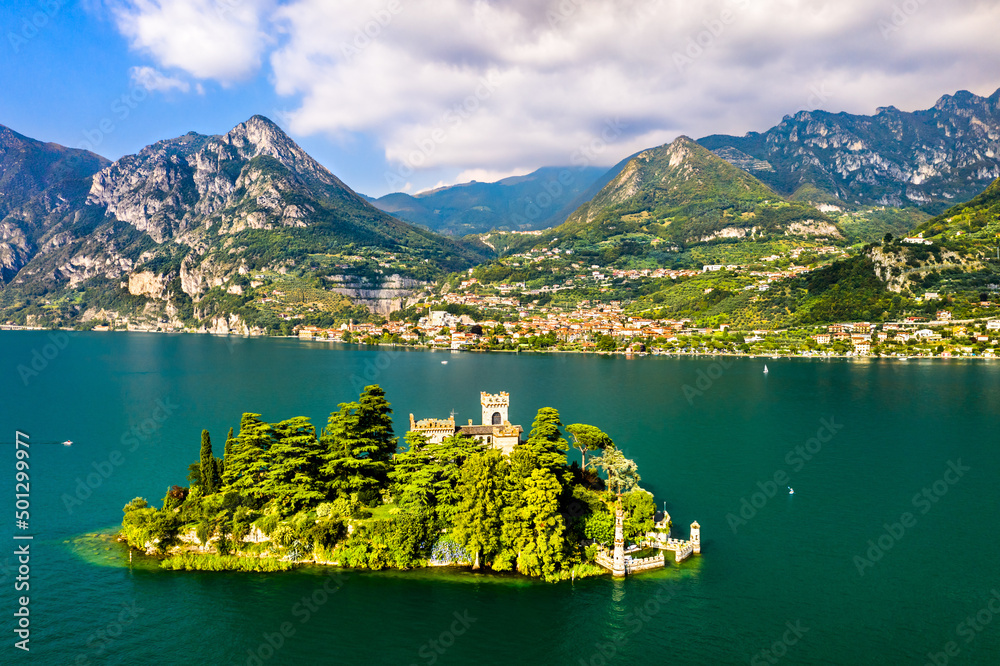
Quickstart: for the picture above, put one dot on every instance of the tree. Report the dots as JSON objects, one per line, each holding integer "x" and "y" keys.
{"x": 640, "y": 509}
{"x": 622, "y": 472}
{"x": 343, "y": 470}
{"x": 541, "y": 553}
{"x": 413, "y": 474}
{"x": 478, "y": 518}
{"x": 375, "y": 422}
{"x": 225, "y": 455}
{"x": 292, "y": 479}
{"x": 547, "y": 444}
{"x": 209, "y": 482}
{"x": 588, "y": 438}
{"x": 605, "y": 343}
{"x": 449, "y": 457}
{"x": 514, "y": 530}
{"x": 359, "y": 443}
{"x": 251, "y": 456}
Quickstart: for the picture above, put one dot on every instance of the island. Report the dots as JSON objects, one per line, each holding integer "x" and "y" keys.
{"x": 476, "y": 496}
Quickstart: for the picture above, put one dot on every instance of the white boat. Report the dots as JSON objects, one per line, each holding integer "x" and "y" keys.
{"x": 791, "y": 491}
{"x": 68, "y": 442}
{"x": 765, "y": 368}
{"x": 444, "y": 362}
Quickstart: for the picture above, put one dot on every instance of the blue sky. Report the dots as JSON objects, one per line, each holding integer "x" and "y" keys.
{"x": 410, "y": 94}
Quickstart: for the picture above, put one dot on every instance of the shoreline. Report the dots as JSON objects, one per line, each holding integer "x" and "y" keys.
{"x": 627, "y": 354}
{"x": 153, "y": 562}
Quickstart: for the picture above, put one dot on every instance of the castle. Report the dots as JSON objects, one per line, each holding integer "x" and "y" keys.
{"x": 495, "y": 431}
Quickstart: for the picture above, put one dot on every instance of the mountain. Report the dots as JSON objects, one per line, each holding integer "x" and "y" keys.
{"x": 975, "y": 223}
{"x": 176, "y": 229}
{"x": 681, "y": 194}
{"x": 537, "y": 200}
{"x": 28, "y": 167}
{"x": 930, "y": 158}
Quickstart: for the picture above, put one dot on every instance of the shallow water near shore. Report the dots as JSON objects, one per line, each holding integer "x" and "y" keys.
{"x": 858, "y": 441}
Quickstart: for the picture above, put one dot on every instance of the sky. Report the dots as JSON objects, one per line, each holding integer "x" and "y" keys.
{"x": 406, "y": 95}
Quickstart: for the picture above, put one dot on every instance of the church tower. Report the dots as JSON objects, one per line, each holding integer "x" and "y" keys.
{"x": 696, "y": 536}
{"x": 495, "y": 407}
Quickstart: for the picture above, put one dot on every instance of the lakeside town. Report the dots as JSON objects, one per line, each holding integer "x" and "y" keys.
{"x": 608, "y": 328}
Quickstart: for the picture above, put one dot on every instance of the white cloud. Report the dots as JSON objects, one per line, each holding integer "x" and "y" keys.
{"x": 485, "y": 175}
{"x": 559, "y": 73}
{"x": 209, "y": 39}
{"x": 152, "y": 79}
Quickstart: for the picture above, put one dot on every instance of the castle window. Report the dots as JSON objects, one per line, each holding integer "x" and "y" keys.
{"x": 496, "y": 418}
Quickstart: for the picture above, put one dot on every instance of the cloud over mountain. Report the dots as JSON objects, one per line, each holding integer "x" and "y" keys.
{"x": 505, "y": 85}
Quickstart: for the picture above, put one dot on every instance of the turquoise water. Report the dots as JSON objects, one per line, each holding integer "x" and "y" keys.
{"x": 786, "y": 579}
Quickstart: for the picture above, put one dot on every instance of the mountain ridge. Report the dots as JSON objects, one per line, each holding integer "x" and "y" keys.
{"x": 680, "y": 194}
{"x": 178, "y": 226}
{"x": 929, "y": 158}
{"x": 532, "y": 201}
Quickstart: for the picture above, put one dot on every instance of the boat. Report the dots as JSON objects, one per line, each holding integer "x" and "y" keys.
{"x": 68, "y": 442}
{"x": 791, "y": 491}
{"x": 765, "y": 368}
{"x": 444, "y": 362}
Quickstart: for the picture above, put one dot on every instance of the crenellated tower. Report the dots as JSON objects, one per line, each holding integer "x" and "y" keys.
{"x": 495, "y": 407}
{"x": 696, "y": 537}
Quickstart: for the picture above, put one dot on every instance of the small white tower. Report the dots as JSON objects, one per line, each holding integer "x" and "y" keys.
{"x": 696, "y": 537}
{"x": 618, "y": 568}
{"x": 495, "y": 407}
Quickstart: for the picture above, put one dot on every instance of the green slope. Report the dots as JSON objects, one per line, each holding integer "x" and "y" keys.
{"x": 680, "y": 195}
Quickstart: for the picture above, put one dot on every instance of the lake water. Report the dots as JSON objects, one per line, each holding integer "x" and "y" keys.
{"x": 795, "y": 575}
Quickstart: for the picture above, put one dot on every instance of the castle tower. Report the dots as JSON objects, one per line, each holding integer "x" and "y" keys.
{"x": 696, "y": 536}
{"x": 618, "y": 561}
{"x": 495, "y": 407}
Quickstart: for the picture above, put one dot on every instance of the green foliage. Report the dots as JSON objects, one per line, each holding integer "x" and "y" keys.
{"x": 345, "y": 496}
{"x": 540, "y": 548}
{"x": 208, "y": 468}
{"x": 149, "y": 528}
{"x": 292, "y": 479}
{"x": 621, "y": 472}
{"x": 478, "y": 516}
{"x": 640, "y": 507}
{"x": 248, "y": 467}
{"x": 588, "y": 438}
{"x": 403, "y": 542}
{"x": 546, "y": 443}
{"x": 515, "y": 531}
{"x": 136, "y": 503}
{"x": 846, "y": 291}
{"x": 197, "y": 562}
{"x": 601, "y": 527}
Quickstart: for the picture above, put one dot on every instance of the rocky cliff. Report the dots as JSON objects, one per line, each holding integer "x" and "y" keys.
{"x": 931, "y": 158}
{"x": 190, "y": 218}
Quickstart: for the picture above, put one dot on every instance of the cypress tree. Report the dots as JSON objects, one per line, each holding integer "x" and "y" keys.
{"x": 208, "y": 481}
{"x": 547, "y": 444}
{"x": 225, "y": 477}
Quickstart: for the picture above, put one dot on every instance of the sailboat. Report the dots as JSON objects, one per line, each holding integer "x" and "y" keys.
{"x": 765, "y": 368}
{"x": 791, "y": 491}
